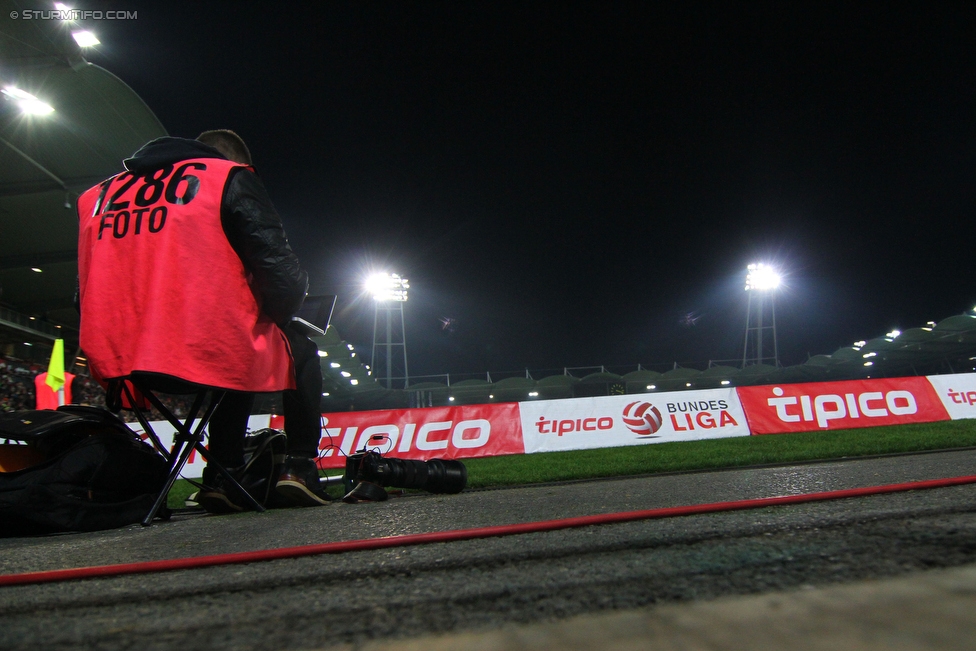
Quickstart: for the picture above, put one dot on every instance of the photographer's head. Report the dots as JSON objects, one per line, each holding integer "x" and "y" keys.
{"x": 227, "y": 143}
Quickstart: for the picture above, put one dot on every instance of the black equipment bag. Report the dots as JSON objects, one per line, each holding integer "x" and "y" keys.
{"x": 96, "y": 474}
{"x": 264, "y": 455}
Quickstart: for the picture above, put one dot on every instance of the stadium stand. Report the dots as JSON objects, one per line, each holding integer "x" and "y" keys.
{"x": 471, "y": 392}
{"x": 602, "y": 383}
{"x": 640, "y": 380}
{"x": 16, "y": 385}
{"x": 17, "y": 390}
{"x": 678, "y": 379}
{"x": 513, "y": 389}
{"x": 557, "y": 386}
{"x": 715, "y": 377}
{"x": 45, "y": 162}
{"x": 946, "y": 347}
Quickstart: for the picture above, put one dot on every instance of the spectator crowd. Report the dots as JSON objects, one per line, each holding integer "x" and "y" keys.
{"x": 17, "y": 390}
{"x": 17, "y": 386}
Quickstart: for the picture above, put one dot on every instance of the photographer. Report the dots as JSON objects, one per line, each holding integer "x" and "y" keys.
{"x": 185, "y": 252}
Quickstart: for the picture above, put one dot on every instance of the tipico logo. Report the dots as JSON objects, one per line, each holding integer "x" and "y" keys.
{"x": 642, "y": 418}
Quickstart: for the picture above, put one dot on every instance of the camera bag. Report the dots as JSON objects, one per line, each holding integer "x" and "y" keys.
{"x": 88, "y": 471}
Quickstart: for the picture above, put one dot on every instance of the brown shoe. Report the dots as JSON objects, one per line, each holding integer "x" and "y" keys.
{"x": 299, "y": 483}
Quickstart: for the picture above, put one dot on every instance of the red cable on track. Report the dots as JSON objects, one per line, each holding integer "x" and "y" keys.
{"x": 146, "y": 567}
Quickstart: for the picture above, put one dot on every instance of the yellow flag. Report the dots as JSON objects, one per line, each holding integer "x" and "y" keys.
{"x": 55, "y": 370}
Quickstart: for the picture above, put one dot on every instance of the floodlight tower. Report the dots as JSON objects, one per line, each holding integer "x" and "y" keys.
{"x": 389, "y": 293}
{"x": 761, "y": 281}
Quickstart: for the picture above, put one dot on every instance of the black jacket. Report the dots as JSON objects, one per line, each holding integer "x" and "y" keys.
{"x": 250, "y": 222}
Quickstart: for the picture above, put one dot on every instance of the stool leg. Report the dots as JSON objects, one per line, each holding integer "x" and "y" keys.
{"x": 170, "y": 480}
{"x": 188, "y": 442}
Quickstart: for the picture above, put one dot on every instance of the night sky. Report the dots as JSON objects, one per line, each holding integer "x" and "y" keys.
{"x": 569, "y": 182}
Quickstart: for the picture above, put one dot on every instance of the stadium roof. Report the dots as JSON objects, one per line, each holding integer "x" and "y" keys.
{"x": 46, "y": 161}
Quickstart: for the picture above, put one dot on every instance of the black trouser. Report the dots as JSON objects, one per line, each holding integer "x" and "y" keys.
{"x": 228, "y": 426}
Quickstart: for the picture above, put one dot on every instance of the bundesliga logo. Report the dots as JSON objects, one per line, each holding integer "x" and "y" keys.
{"x": 642, "y": 418}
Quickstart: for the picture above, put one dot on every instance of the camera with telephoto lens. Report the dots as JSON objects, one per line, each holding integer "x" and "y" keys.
{"x": 368, "y": 472}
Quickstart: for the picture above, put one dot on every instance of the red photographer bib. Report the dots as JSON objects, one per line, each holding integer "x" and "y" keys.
{"x": 161, "y": 288}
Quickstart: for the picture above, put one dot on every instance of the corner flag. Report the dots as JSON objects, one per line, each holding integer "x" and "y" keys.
{"x": 55, "y": 370}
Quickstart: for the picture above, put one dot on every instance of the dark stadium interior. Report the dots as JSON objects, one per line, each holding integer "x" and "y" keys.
{"x": 573, "y": 189}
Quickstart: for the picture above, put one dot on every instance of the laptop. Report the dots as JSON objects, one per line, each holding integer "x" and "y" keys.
{"x": 313, "y": 318}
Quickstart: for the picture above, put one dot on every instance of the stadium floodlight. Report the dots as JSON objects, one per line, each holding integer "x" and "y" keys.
{"x": 389, "y": 292}
{"x": 26, "y": 102}
{"x": 761, "y": 280}
{"x": 761, "y": 277}
{"x": 85, "y": 38}
{"x": 387, "y": 287}
{"x": 65, "y": 13}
